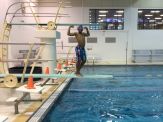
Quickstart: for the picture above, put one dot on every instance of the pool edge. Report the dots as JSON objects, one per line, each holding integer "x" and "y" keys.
{"x": 41, "y": 112}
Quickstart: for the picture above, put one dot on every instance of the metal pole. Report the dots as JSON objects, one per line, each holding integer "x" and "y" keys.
{"x": 45, "y": 24}
{"x": 42, "y": 16}
{"x": 26, "y": 63}
{"x": 22, "y": 60}
{"x": 126, "y": 52}
{"x": 13, "y": 43}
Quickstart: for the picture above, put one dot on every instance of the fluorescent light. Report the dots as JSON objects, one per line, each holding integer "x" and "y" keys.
{"x": 116, "y": 15}
{"x": 120, "y": 11}
{"x": 99, "y": 18}
{"x": 156, "y": 11}
{"x": 152, "y": 20}
{"x": 148, "y": 18}
{"x": 102, "y": 15}
{"x": 159, "y": 23}
{"x": 158, "y": 18}
{"x": 161, "y": 15}
{"x": 140, "y": 11}
{"x": 148, "y": 15}
{"x": 102, "y": 11}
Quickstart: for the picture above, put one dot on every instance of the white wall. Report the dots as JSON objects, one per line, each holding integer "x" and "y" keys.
{"x": 136, "y": 39}
{"x": 145, "y": 39}
{"x": 111, "y": 53}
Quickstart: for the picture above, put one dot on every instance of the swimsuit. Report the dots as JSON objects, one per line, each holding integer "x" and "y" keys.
{"x": 80, "y": 54}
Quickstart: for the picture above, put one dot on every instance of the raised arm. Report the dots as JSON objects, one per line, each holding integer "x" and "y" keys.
{"x": 86, "y": 34}
{"x": 69, "y": 33}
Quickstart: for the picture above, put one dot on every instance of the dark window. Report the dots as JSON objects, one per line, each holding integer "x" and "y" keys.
{"x": 110, "y": 40}
{"x": 106, "y": 19}
{"x": 150, "y": 19}
{"x": 91, "y": 40}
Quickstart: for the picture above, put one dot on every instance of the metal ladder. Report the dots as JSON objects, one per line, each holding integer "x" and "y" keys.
{"x": 4, "y": 48}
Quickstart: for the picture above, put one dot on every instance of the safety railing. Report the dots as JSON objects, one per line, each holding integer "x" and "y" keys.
{"x": 153, "y": 55}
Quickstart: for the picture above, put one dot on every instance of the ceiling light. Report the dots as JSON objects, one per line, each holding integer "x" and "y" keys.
{"x": 161, "y": 15}
{"x": 156, "y": 11}
{"x": 148, "y": 15}
{"x": 102, "y": 11}
{"x": 102, "y": 15}
{"x": 158, "y": 18}
{"x": 116, "y": 15}
{"x": 159, "y": 23}
{"x": 120, "y": 11}
{"x": 100, "y": 20}
{"x": 140, "y": 11}
{"x": 151, "y": 20}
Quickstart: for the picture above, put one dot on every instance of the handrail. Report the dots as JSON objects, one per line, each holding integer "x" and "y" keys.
{"x": 20, "y": 8}
{"x": 55, "y": 20}
{"x": 36, "y": 18}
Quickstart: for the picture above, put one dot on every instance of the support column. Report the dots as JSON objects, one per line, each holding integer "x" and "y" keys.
{"x": 49, "y": 51}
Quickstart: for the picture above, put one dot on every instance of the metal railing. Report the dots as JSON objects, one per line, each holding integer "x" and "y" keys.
{"x": 151, "y": 55}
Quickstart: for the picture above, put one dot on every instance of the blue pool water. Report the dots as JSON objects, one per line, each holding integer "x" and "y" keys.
{"x": 134, "y": 95}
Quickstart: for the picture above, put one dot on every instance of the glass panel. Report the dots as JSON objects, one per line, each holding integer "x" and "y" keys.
{"x": 106, "y": 19}
{"x": 150, "y": 19}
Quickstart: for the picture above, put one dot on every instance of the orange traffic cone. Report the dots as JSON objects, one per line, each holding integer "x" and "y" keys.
{"x": 59, "y": 66}
{"x": 30, "y": 84}
{"x": 47, "y": 70}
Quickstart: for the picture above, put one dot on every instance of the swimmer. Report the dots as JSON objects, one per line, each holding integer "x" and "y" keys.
{"x": 80, "y": 48}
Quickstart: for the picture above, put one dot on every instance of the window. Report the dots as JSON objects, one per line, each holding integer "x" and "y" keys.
{"x": 110, "y": 40}
{"x": 92, "y": 40}
{"x": 150, "y": 19}
{"x": 106, "y": 19}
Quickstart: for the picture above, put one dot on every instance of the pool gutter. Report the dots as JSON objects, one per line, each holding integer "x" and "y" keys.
{"x": 39, "y": 115}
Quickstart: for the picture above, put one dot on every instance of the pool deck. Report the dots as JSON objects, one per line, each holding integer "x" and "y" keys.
{"x": 27, "y": 109}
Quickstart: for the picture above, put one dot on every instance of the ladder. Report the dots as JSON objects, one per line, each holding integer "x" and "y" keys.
{"x": 4, "y": 48}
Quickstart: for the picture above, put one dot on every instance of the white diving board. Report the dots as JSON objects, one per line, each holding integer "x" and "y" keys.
{"x": 3, "y": 118}
{"x": 60, "y": 75}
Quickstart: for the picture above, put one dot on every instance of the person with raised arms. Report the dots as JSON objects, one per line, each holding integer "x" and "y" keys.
{"x": 80, "y": 48}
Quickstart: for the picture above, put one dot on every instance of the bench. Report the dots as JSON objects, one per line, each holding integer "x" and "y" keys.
{"x": 93, "y": 59}
{"x": 151, "y": 55}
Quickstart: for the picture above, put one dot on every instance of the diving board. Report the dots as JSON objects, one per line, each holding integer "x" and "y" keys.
{"x": 72, "y": 75}
{"x": 3, "y": 118}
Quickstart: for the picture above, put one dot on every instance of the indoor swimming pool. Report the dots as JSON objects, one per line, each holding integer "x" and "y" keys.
{"x": 135, "y": 94}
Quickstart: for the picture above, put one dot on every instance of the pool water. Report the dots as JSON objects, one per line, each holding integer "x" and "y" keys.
{"x": 135, "y": 94}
